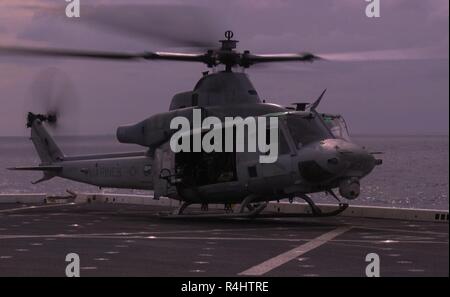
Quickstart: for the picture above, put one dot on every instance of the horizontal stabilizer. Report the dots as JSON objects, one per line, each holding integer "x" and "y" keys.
{"x": 38, "y": 168}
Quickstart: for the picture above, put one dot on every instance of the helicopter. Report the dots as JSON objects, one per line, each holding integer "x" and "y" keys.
{"x": 316, "y": 153}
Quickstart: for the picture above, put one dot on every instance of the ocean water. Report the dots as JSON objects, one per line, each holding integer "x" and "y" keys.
{"x": 415, "y": 170}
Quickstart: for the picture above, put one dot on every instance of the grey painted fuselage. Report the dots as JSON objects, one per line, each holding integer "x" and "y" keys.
{"x": 305, "y": 163}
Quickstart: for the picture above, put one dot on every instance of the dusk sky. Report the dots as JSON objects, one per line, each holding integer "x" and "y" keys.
{"x": 405, "y": 94}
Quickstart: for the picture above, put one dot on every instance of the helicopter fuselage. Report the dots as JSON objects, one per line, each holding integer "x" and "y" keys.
{"x": 315, "y": 153}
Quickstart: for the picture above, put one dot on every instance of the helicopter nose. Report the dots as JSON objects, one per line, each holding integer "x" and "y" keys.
{"x": 358, "y": 161}
{"x": 332, "y": 159}
{"x": 355, "y": 161}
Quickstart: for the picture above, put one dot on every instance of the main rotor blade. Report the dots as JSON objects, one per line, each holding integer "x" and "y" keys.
{"x": 388, "y": 55}
{"x": 68, "y": 53}
{"x": 361, "y": 56}
{"x": 250, "y": 59}
{"x": 186, "y": 57}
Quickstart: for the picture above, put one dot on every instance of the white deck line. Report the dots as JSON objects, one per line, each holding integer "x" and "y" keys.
{"x": 33, "y": 207}
{"x": 283, "y": 258}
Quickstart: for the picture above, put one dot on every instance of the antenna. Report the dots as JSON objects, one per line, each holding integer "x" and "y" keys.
{"x": 317, "y": 102}
{"x": 228, "y": 44}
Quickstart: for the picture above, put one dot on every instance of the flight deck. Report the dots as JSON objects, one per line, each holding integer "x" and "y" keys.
{"x": 133, "y": 240}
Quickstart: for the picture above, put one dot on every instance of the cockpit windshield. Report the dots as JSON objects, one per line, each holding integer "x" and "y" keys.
{"x": 337, "y": 126}
{"x": 305, "y": 130}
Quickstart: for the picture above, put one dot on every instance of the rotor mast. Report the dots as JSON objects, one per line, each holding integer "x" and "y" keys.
{"x": 228, "y": 46}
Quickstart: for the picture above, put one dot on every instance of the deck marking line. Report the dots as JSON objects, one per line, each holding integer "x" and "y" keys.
{"x": 281, "y": 259}
{"x": 34, "y": 207}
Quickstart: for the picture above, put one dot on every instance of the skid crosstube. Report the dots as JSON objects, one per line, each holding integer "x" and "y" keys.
{"x": 256, "y": 213}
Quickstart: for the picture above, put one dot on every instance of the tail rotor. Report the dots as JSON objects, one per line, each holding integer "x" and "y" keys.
{"x": 54, "y": 101}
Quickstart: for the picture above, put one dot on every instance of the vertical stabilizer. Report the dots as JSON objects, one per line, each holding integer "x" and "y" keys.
{"x": 45, "y": 145}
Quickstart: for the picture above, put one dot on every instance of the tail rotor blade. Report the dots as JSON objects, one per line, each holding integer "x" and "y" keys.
{"x": 53, "y": 95}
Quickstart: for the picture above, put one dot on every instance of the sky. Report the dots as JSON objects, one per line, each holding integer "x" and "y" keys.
{"x": 405, "y": 94}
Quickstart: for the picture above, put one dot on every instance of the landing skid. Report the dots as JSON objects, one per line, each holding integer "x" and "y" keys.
{"x": 255, "y": 212}
{"x": 251, "y": 214}
{"x": 341, "y": 208}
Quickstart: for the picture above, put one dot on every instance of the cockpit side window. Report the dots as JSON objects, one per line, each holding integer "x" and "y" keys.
{"x": 306, "y": 130}
{"x": 284, "y": 147}
{"x": 337, "y": 126}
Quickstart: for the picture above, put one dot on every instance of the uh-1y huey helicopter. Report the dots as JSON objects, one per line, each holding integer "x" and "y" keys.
{"x": 315, "y": 151}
